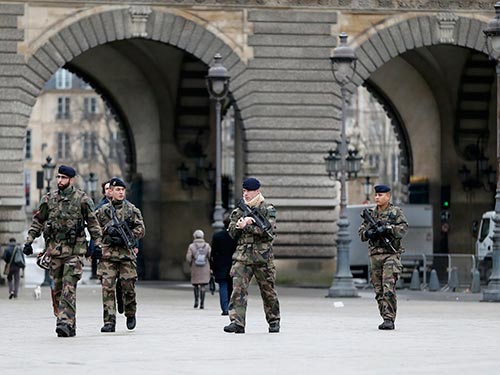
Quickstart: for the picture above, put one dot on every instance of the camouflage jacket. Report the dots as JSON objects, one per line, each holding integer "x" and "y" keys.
{"x": 253, "y": 245}
{"x": 62, "y": 217}
{"x": 392, "y": 216}
{"x": 125, "y": 211}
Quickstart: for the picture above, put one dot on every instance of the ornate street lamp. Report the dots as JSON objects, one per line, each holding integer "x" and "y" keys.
{"x": 48, "y": 171}
{"x": 48, "y": 175}
{"x": 92, "y": 185}
{"x": 343, "y": 67}
{"x": 492, "y": 33}
{"x": 367, "y": 187}
{"x": 217, "y": 81}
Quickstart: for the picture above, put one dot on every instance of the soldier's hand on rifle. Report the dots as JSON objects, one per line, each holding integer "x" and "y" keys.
{"x": 112, "y": 231}
{"x": 371, "y": 233}
{"x": 383, "y": 228}
{"x": 28, "y": 249}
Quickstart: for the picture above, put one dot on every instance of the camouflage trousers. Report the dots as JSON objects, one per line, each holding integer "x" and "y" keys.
{"x": 66, "y": 272}
{"x": 108, "y": 271}
{"x": 384, "y": 273}
{"x": 265, "y": 274}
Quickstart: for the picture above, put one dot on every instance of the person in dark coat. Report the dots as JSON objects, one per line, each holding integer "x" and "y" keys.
{"x": 221, "y": 259}
{"x": 14, "y": 270}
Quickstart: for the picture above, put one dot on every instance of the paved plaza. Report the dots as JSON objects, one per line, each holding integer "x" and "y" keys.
{"x": 443, "y": 333}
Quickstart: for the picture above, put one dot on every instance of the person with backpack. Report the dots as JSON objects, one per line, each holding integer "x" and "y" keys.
{"x": 197, "y": 256}
{"x": 13, "y": 266}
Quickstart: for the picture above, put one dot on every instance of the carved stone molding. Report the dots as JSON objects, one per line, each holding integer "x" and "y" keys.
{"x": 139, "y": 16}
{"x": 447, "y": 23}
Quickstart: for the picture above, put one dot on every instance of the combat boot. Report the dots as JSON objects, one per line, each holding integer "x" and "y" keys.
{"x": 274, "y": 327}
{"x": 131, "y": 322}
{"x": 388, "y": 324}
{"x": 64, "y": 330}
{"x": 234, "y": 328}
{"x": 108, "y": 327}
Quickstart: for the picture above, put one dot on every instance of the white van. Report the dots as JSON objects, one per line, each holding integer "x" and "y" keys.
{"x": 484, "y": 245}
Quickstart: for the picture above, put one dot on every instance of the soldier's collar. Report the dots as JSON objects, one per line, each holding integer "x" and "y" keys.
{"x": 67, "y": 191}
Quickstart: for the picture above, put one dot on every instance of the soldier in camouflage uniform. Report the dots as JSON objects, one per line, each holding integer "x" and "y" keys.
{"x": 62, "y": 216}
{"x": 119, "y": 255}
{"x": 385, "y": 262}
{"x": 253, "y": 256}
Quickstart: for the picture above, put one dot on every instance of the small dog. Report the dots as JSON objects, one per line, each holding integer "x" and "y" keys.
{"x": 37, "y": 292}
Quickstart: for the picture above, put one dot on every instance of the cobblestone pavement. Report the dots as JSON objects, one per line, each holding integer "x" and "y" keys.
{"x": 443, "y": 333}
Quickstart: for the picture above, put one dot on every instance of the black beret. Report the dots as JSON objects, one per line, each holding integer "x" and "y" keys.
{"x": 67, "y": 171}
{"x": 382, "y": 189}
{"x": 251, "y": 184}
{"x": 115, "y": 181}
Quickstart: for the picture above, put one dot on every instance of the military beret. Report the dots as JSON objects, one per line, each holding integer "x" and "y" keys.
{"x": 251, "y": 184}
{"x": 382, "y": 189}
{"x": 67, "y": 171}
{"x": 115, "y": 181}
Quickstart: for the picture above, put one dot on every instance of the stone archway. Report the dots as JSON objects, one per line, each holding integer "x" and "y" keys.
{"x": 413, "y": 44}
{"x": 73, "y": 44}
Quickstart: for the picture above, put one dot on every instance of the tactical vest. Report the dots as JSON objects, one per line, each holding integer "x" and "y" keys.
{"x": 65, "y": 223}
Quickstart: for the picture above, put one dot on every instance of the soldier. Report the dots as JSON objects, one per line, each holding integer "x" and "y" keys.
{"x": 385, "y": 255}
{"x": 253, "y": 256}
{"x": 119, "y": 254}
{"x": 62, "y": 217}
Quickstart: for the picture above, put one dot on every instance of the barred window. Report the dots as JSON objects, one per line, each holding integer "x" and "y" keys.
{"x": 27, "y": 154}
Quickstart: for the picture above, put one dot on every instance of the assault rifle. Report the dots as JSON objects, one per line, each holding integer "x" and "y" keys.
{"x": 260, "y": 220}
{"x": 374, "y": 225}
{"x": 121, "y": 228}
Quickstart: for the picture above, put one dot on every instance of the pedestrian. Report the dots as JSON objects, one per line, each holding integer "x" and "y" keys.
{"x": 62, "y": 216}
{"x": 221, "y": 259}
{"x": 384, "y": 237}
{"x": 12, "y": 270}
{"x": 198, "y": 255}
{"x": 122, "y": 225}
{"x": 253, "y": 256}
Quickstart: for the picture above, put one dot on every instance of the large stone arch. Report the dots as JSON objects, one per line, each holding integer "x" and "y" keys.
{"x": 91, "y": 30}
{"x": 379, "y": 47}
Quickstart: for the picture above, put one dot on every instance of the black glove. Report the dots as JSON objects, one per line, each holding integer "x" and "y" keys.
{"x": 117, "y": 241}
{"x": 371, "y": 233}
{"x": 113, "y": 232}
{"x": 28, "y": 249}
{"x": 97, "y": 254}
{"x": 381, "y": 229}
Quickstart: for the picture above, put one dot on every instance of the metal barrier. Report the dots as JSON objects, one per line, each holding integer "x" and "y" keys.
{"x": 456, "y": 270}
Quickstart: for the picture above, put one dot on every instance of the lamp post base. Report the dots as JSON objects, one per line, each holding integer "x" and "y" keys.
{"x": 342, "y": 287}
{"x": 492, "y": 292}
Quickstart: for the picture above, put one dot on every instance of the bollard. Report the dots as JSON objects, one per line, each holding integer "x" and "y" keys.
{"x": 434, "y": 281}
{"x": 415, "y": 280}
{"x": 453, "y": 281}
{"x": 476, "y": 281}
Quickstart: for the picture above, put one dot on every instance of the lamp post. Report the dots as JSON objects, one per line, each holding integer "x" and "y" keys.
{"x": 343, "y": 67}
{"x": 48, "y": 171}
{"x": 492, "y": 292}
{"x": 217, "y": 81}
{"x": 48, "y": 174}
{"x": 367, "y": 187}
{"x": 92, "y": 185}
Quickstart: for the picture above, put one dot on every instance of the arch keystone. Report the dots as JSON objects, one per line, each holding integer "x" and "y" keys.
{"x": 139, "y": 16}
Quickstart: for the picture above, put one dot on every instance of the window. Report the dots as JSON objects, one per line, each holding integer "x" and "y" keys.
{"x": 27, "y": 185}
{"x": 63, "y": 146}
{"x": 27, "y": 154}
{"x": 373, "y": 161}
{"x": 113, "y": 145}
{"x": 89, "y": 106}
{"x": 63, "y": 107}
{"x": 89, "y": 145}
{"x": 63, "y": 79}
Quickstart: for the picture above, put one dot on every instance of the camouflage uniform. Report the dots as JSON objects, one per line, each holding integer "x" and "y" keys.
{"x": 118, "y": 261}
{"x": 385, "y": 264}
{"x": 62, "y": 217}
{"x": 253, "y": 256}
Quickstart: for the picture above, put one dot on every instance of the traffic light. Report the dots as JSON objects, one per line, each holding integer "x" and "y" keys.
{"x": 445, "y": 197}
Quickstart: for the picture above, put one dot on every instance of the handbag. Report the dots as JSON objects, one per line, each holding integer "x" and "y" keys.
{"x": 6, "y": 269}
{"x": 211, "y": 284}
